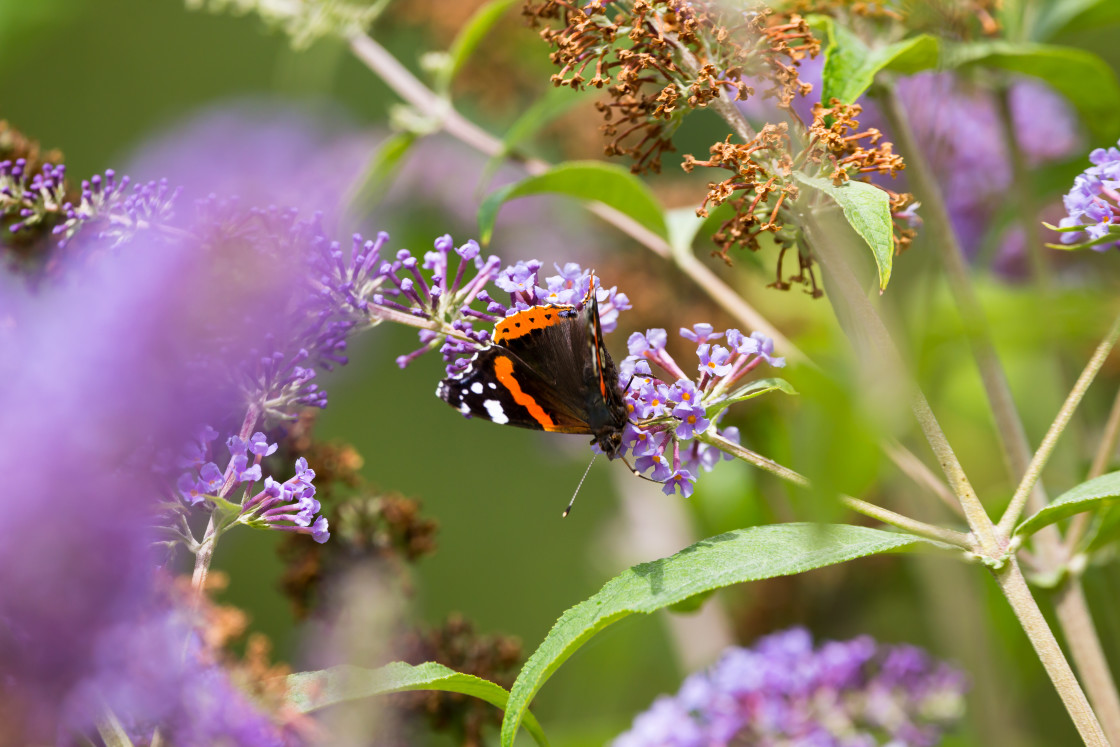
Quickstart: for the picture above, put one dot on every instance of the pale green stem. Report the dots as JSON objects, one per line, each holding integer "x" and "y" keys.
{"x": 1101, "y": 460}
{"x": 920, "y": 528}
{"x": 1074, "y": 619}
{"x": 847, "y": 291}
{"x": 1073, "y": 609}
{"x": 1009, "y": 428}
{"x": 1014, "y": 587}
{"x": 1025, "y": 200}
{"x": 1087, "y": 653}
{"x": 1008, "y": 576}
{"x": 1034, "y": 469}
{"x": 205, "y": 554}
{"x": 909, "y": 464}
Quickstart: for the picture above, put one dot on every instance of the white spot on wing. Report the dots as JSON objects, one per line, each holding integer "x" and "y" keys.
{"x": 465, "y": 408}
{"x": 492, "y": 385}
{"x": 476, "y": 387}
{"x": 494, "y": 409}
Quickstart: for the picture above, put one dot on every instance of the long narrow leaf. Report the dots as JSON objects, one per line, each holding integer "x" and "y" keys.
{"x": 310, "y": 691}
{"x": 743, "y": 555}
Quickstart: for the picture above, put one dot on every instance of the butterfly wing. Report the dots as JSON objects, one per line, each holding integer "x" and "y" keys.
{"x": 499, "y": 386}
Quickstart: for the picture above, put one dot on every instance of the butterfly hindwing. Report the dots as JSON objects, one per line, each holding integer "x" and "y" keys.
{"x": 500, "y": 387}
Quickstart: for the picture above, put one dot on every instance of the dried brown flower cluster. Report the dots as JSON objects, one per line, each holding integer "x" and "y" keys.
{"x": 760, "y": 187}
{"x": 387, "y": 528}
{"x": 835, "y": 133}
{"x": 754, "y": 184}
{"x": 455, "y": 644}
{"x": 659, "y": 59}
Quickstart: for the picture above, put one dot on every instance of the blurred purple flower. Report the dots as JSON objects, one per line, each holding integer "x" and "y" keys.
{"x": 783, "y": 691}
{"x": 1093, "y": 204}
{"x": 154, "y": 673}
{"x": 265, "y": 152}
{"x": 110, "y": 368}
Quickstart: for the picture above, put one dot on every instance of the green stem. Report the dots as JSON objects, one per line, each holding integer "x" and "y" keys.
{"x": 1087, "y": 653}
{"x": 1101, "y": 461}
{"x": 1034, "y": 469}
{"x": 920, "y": 528}
{"x": 1009, "y": 428}
{"x": 851, "y": 301}
{"x": 1005, "y": 567}
{"x": 1014, "y": 587}
{"x": 1024, "y": 195}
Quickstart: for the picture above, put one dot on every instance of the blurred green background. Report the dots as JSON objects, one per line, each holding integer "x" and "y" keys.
{"x": 96, "y": 79}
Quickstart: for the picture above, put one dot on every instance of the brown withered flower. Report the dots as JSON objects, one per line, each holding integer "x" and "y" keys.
{"x": 657, "y": 60}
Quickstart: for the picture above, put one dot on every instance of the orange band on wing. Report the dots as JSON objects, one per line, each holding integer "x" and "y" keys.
{"x": 503, "y": 367}
{"x": 524, "y": 322}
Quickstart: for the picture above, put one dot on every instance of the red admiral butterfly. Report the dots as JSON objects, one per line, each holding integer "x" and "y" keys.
{"x": 546, "y": 369}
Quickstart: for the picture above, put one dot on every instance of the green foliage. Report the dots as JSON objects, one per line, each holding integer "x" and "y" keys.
{"x": 850, "y": 65}
{"x": 1068, "y": 16}
{"x": 1088, "y": 496}
{"x": 310, "y": 691}
{"x": 756, "y": 388}
{"x": 386, "y": 161}
{"x": 1081, "y": 76}
{"x": 553, "y": 103}
{"x": 744, "y": 555}
{"x": 468, "y": 39}
{"x": 588, "y": 180}
{"x": 868, "y": 210}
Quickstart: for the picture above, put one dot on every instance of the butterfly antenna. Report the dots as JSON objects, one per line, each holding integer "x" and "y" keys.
{"x": 637, "y": 473}
{"x": 568, "y": 510}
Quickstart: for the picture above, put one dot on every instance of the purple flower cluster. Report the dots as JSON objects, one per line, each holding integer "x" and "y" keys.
{"x": 157, "y": 674}
{"x": 105, "y": 366}
{"x": 118, "y": 210}
{"x": 1094, "y": 203}
{"x": 671, "y": 417}
{"x": 286, "y": 506}
{"x": 445, "y": 301}
{"x": 782, "y": 691}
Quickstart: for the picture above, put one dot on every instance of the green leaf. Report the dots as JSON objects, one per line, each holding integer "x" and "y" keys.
{"x": 1061, "y": 16}
{"x": 310, "y": 691}
{"x": 468, "y": 39}
{"x": 743, "y": 555}
{"x": 868, "y": 210}
{"x": 684, "y": 225}
{"x": 850, "y": 65}
{"x": 1060, "y": 229}
{"x": 1106, "y": 530}
{"x": 588, "y": 180}
{"x": 1082, "y": 77}
{"x": 750, "y": 391}
{"x": 1085, "y": 497}
{"x": 379, "y": 173}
